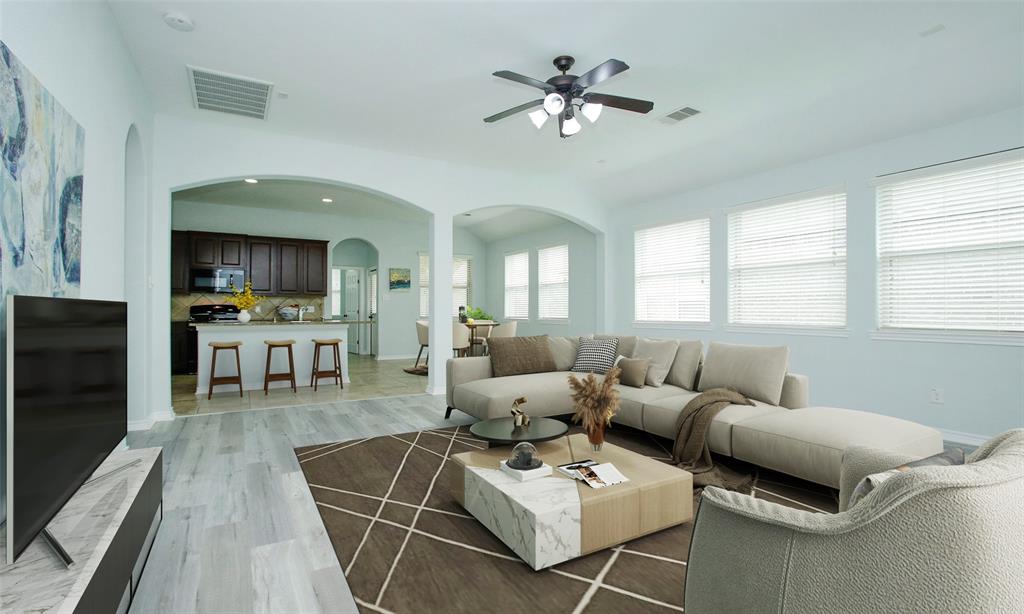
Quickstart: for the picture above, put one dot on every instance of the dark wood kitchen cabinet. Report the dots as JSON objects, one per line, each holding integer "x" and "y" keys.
{"x": 262, "y": 263}
{"x": 315, "y": 265}
{"x": 180, "y": 348}
{"x": 179, "y": 262}
{"x": 290, "y": 269}
{"x": 210, "y": 250}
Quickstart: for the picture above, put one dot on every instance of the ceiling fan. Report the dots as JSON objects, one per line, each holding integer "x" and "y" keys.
{"x": 565, "y": 93}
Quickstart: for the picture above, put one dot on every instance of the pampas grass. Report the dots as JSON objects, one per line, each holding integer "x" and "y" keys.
{"x": 596, "y": 402}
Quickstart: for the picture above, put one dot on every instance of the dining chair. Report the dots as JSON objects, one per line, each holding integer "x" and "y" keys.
{"x": 423, "y": 334}
{"x": 479, "y": 334}
{"x": 506, "y": 329}
{"x": 460, "y": 338}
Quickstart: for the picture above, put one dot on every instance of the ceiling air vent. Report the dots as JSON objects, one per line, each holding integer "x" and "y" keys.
{"x": 217, "y": 91}
{"x": 680, "y": 115}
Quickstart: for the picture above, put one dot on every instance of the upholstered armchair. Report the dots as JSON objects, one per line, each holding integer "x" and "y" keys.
{"x": 933, "y": 539}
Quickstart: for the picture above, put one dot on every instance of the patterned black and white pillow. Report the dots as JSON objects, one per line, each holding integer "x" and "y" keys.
{"x": 595, "y": 355}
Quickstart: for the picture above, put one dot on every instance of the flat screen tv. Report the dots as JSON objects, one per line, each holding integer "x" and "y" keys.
{"x": 67, "y": 403}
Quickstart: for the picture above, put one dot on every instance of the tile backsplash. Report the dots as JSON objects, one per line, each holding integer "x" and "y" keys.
{"x": 265, "y": 310}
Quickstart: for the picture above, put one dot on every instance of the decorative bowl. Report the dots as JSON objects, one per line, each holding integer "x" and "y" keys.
{"x": 288, "y": 313}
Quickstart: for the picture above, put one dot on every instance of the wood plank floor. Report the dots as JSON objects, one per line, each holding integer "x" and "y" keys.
{"x": 240, "y": 531}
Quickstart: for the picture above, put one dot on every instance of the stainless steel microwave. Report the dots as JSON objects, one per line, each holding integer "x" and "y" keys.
{"x": 216, "y": 280}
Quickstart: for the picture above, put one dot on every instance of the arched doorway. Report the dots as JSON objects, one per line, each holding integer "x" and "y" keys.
{"x": 355, "y": 291}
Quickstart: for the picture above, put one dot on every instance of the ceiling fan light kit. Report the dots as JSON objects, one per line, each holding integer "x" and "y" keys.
{"x": 565, "y": 92}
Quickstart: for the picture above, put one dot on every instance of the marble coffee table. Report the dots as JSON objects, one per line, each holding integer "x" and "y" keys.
{"x": 550, "y": 520}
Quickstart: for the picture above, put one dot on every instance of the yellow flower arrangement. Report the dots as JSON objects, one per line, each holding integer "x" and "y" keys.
{"x": 244, "y": 299}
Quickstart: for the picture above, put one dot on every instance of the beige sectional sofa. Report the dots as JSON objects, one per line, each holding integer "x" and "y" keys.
{"x": 780, "y": 431}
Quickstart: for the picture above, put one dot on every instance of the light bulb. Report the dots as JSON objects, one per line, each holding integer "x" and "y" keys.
{"x": 571, "y": 126}
{"x": 592, "y": 110}
{"x": 538, "y": 117}
{"x": 554, "y": 103}
{"x": 250, "y": 180}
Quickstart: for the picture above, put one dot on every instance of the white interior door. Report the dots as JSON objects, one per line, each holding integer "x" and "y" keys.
{"x": 352, "y": 302}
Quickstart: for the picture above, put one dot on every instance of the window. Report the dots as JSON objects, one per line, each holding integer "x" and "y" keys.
{"x": 672, "y": 269}
{"x": 553, "y": 283}
{"x": 951, "y": 247}
{"x": 787, "y": 263}
{"x": 373, "y": 293}
{"x": 517, "y": 286}
{"x": 462, "y": 284}
{"x": 336, "y": 292}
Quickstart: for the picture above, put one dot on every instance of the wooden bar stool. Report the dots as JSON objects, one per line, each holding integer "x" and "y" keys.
{"x": 226, "y": 379}
{"x": 334, "y": 373}
{"x": 283, "y": 376}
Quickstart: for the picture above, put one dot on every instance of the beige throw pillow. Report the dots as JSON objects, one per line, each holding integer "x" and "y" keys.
{"x": 752, "y": 370}
{"x": 626, "y": 343}
{"x": 564, "y": 350}
{"x": 684, "y": 368}
{"x": 519, "y": 355}
{"x": 661, "y": 353}
{"x": 634, "y": 371}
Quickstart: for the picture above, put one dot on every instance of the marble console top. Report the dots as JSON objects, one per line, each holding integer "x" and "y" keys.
{"x": 86, "y": 526}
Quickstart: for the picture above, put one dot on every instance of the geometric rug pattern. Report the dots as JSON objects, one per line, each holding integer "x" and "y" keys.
{"x": 406, "y": 546}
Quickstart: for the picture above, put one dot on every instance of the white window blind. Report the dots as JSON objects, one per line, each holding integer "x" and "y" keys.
{"x": 951, "y": 247}
{"x": 462, "y": 284}
{"x": 787, "y": 263}
{"x": 424, "y": 285}
{"x": 336, "y": 292}
{"x": 517, "y": 286}
{"x": 373, "y": 292}
{"x": 672, "y": 271}
{"x": 553, "y": 283}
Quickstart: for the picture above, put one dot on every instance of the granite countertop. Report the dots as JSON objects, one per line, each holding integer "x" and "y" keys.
{"x": 272, "y": 323}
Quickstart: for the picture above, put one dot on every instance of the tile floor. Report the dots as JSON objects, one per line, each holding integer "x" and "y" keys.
{"x": 370, "y": 379}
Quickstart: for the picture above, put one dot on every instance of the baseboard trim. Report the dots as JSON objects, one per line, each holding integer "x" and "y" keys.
{"x": 435, "y": 392}
{"x": 141, "y": 425}
{"x": 966, "y": 438}
{"x": 397, "y": 357}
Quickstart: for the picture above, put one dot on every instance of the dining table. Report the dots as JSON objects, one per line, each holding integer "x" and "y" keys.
{"x": 473, "y": 326}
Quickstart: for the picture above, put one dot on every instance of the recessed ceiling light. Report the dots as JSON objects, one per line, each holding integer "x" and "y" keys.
{"x": 250, "y": 180}
{"x": 327, "y": 200}
{"x": 179, "y": 21}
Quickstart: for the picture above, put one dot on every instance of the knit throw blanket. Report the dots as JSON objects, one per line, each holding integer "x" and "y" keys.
{"x": 690, "y": 450}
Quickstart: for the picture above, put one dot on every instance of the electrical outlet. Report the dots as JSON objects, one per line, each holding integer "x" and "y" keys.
{"x": 937, "y": 396}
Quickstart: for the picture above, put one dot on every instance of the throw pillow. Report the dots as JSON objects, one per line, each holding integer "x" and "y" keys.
{"x": 595, "y": 355}
{"x": 948, "y": 458}
{"x": 564, "y": 350}
{"x": 684, "y": 368}
{"x": 626, "y": 343}
{"x": 754, "y": 371}
{"x": 661, "y": 353}
{"x": 519, "y": 355}
{"x": 634, "y": 371}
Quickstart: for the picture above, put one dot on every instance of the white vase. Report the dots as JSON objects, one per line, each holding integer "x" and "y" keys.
{"x": 244, "y": 316}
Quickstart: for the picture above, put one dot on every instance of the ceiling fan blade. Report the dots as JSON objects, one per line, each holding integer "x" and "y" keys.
{"x": 620, "y": 102}
{"x": 514, "y": 110}
{"x": 518, "y": 78}
{"x": 601, "y": 72}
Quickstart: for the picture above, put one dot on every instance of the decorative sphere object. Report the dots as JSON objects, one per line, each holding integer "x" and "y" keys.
{"x": 524, "y": 456}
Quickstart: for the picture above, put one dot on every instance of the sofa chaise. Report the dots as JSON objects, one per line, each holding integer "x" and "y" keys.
{"x": 779, "y": 431}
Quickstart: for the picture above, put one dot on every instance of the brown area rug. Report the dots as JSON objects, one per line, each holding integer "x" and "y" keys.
{"x": 406, "y": 546}
{"x": 420, "y": 370}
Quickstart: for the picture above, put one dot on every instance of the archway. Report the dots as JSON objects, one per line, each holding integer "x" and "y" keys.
{"x": 355, "y": 292}
{"x": 136, "y": 238}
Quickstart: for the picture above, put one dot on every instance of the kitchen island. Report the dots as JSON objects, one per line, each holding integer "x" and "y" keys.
{"x": 253, "y": 352}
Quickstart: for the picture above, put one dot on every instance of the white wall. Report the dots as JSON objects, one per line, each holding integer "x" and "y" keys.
{"x": 584, "y": 269}
{"x": 983, "y": 384}
{"x": 398, "y": 244}
{"x": 77, "y": 53}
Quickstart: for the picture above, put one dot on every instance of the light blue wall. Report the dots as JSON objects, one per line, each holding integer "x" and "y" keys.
{"x": 583, "y": 272}
{"x": 983, "y": 384}
{"x": 398, "y": 243}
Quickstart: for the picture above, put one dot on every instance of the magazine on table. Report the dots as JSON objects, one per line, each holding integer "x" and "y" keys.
{"x": 594, "y": 474}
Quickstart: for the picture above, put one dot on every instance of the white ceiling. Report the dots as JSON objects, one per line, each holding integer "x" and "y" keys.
{"x": 776, "y": 82}
{"x": 301, "y": 196}
{"x": 494, "y": 223}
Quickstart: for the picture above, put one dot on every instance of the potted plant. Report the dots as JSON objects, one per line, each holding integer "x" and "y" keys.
{"x": 596, "y": 403}
{"x": 245, "y": 300}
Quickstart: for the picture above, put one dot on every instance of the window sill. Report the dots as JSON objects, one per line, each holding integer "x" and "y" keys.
{"x": 559, "y": 321}
{"x": 941, "y": 336}
{"x": 674, "y": 325}
{"x": 788, "y": 330}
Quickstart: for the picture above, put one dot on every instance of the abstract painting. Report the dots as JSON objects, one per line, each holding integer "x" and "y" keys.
{"x": 42, "y": 155}
{"x": 399, "y": 279}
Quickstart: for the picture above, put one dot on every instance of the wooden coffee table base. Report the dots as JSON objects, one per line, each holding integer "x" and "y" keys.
{"x": 550, "y": 520}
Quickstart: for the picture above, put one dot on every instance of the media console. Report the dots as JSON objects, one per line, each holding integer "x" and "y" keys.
{"x": 107, "y": 528}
